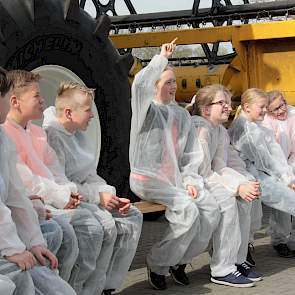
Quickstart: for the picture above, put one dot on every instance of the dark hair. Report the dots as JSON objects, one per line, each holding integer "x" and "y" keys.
{"x": 5, "y": 82}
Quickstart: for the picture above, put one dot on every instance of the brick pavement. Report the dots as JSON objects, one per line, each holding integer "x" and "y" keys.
{"x": 279, "y": 273}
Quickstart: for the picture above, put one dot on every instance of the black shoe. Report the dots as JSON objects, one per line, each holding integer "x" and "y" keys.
{"x": 108, "y": 292}
{"x": 283, "y": 250}
{"x": 158, "y": 282}
{"x": 178, "y": 275}
{"x": 248, "y": 272}
{"x": 249, "y": 260}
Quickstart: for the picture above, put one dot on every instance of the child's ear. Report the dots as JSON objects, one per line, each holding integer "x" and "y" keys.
{"x": 246, "y": 107}
{"x": 68, "y": 113}
{"x": 206, "y": 111}
{"x": 13, "y": 101}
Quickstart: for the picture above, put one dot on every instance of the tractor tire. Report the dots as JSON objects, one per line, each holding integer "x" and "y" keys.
{"x": 34, "y": 33}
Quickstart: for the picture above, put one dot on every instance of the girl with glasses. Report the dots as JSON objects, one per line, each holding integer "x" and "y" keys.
{"x": 232, "y": 190}
{"x": 280, "y": 118}
{"x": 258, "y": 147}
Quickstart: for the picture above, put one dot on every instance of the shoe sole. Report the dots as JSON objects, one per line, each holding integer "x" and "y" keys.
{"x": 150, "y": 281}
{"x": 255, "y": 279}
{"x": 176, "y": 281}
{"x": 248, "y": 285}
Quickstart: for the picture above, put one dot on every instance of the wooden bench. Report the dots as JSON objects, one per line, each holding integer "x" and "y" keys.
{"x": 149, "y": 207}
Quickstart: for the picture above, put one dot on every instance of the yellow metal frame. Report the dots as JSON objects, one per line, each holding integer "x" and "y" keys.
{"x": 257, "y": 31}
{"x": 265, "y": 55}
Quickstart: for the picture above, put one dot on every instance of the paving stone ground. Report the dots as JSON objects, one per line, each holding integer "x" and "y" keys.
{"x": 278, "y": 273}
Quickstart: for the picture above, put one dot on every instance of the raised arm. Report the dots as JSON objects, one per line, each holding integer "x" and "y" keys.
{"x": 143, "y": 89}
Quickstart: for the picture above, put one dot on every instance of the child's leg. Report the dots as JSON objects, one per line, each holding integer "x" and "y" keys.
{"x": 291, "y": 242}
{"x": 128, "y": 233}
{"x": 90, "y": 237}
{"x": 280, "y": 227}
{"x": 108, "y": 225}
{"x": 256, "y": 219}
{"x": 48, "y": 283}
{"x": 21, "y": 279}
{"x": 227, "y": 236}
{"x": 6, "y": 285}
{"x": 182, "y": 215}
{"x": 209, "y": 220}
{"x": 244, "y": 210}
{"x": 52, "y": 233}
{"x": 276, "y": 194}
{"x": 68, "y": 251}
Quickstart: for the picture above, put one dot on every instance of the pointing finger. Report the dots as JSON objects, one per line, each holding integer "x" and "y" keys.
{"x": 173, "y": 41}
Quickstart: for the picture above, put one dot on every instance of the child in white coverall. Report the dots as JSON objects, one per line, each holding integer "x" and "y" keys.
{"x": 233, "y": 192}
{"x": 65, "y": 125}
{"x": 165, "y": 156}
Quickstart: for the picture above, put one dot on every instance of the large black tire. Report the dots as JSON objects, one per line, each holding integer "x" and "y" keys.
{"x": 58, "y": 32}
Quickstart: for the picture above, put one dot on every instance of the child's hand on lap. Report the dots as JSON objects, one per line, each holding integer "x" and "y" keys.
{"x": 249, "y": 191}
{"x": 192, "y": 191}
{"x": 41, "y": 254}
{"x": 124, "y": 205}
{"x": 24, "y": 260}
{"x": 74, "y": 201}
{"x": 108, "y": 201}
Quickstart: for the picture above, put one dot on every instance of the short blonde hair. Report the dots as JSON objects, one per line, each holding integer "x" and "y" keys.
{"x": 251, "y": 95}
{"x": 65, "y": 94}
{"x": 206, "y": 95}
{"x": 21, "y": 79}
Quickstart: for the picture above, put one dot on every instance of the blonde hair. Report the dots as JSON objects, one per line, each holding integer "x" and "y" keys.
{"x": 65, "y": 94}
{"x": 274, "y": 94}
{"x": 206, "y": 95}
{"x": 167, "y": 68}
{"x": 250, "y": 96}
{"x": 21, "y": 79}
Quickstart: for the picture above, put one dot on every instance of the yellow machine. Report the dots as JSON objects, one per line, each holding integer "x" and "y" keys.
{"x": 265, "y": 57}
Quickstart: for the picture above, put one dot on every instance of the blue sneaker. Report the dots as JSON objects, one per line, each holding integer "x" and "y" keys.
{"x": 248, "y": 272}
{"x": 234, "y": 279}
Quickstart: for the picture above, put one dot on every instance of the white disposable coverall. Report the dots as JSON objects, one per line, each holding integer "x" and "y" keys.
{"x": 6, "y": 285}
{"x": 121, "y": 232}
{"x": 40, "y": 171}
{"x": 223, "y": 182}
{"x": 20, "y": 230}
{"x": 266, "y": 161}
{"x": 165, "y": 157}
{"x": 282, "y": 225}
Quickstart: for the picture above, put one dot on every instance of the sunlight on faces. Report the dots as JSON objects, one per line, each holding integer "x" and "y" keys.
{"x": 166, "y": 86}
{"x": 4, "y": 107}
{"x": 79, "y": 110}
{"x": 29, "y": 102}
{"x": 278, "y": 109}
{"x": 256, "y": 110}
{"x": 82, "y": 113}
{"x": 219, "y": 110}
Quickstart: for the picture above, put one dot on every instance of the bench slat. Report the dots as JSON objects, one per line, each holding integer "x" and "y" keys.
{"x": 148, "y": 207}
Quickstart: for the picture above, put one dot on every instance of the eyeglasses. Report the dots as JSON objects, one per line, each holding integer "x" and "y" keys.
{"x": 222, "y": 103}
{"x": 282, "y": 106}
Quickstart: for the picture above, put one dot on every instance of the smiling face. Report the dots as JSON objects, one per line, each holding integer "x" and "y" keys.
{"x": 166, "y": 86}
{"x": 256, "y": 109}
{"x": 81, "y": 114}
{"x": 219, "y": 109}
{"x": 29, "y": 102}
{"x": 278, "y": 109}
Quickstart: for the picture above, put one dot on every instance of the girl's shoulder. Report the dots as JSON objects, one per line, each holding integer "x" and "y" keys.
{"x": 200, "y": 122}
